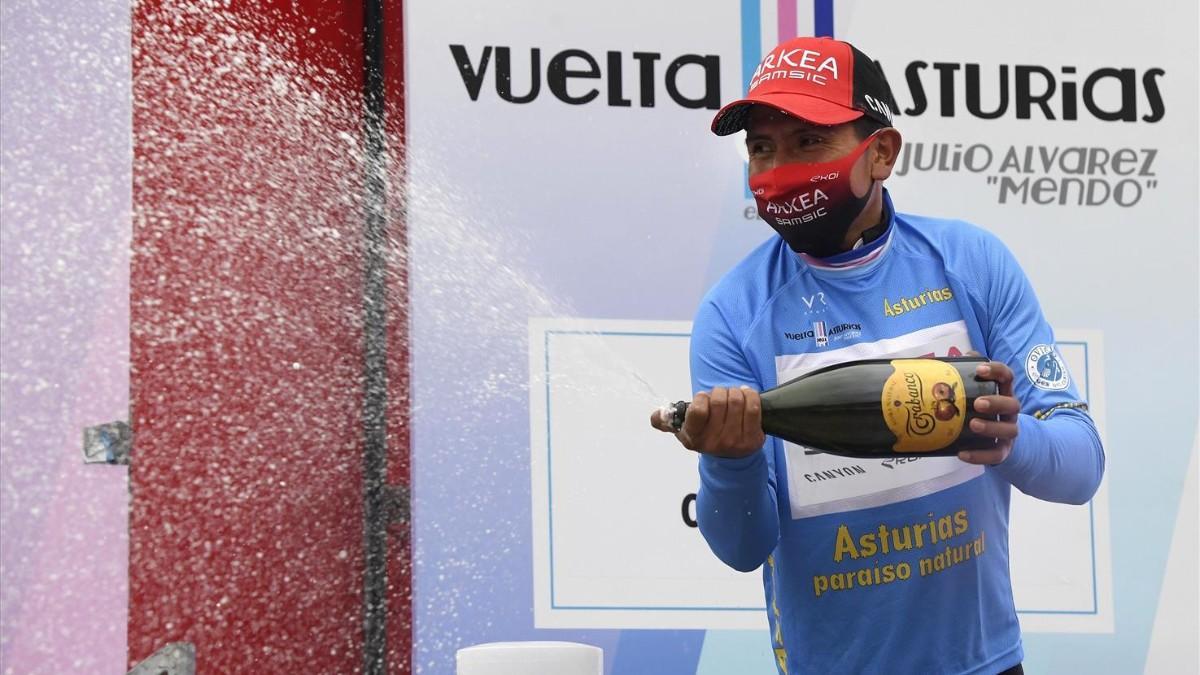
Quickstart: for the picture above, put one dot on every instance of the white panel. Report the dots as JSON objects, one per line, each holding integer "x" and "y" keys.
{"x": 611, "y": 546}
{"x": 1174, "y": 647}
{"x": 1059, "y": 554}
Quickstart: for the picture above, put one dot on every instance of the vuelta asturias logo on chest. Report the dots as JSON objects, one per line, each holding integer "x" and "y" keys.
{"x": 822, "y": 334}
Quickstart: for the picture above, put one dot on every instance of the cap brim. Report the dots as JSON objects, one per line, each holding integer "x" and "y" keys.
{"x": 732, "y": 118}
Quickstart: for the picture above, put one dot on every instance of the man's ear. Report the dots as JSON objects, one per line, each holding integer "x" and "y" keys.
{"x": 884, "y": 152}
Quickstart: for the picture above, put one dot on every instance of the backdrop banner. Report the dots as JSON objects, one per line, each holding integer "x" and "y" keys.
{"x": 569, "y": 207}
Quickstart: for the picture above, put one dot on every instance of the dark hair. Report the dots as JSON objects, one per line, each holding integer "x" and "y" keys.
{"x": 865, "y": 126}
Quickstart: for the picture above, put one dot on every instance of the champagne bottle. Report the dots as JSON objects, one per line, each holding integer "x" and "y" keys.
{"x": 877, "y": 408}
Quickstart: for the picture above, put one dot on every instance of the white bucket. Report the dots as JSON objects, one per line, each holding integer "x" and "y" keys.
{"x": 530, "y": 658}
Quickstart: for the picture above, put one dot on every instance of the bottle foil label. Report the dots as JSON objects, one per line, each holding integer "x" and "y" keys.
{"x": 924, "y": 404}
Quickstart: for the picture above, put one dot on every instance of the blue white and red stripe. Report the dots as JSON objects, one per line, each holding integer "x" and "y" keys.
{"x": 857, "y": 259}
{"x": 766, "y": 23}
{"x": 862, "y": 258}
{"x": 819, "y": 333}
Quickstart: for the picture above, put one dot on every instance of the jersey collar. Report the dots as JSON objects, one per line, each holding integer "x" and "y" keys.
{"x": 861, "y": 259}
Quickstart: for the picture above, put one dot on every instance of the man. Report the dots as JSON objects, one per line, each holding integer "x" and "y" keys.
{"x": 894, "y": 566}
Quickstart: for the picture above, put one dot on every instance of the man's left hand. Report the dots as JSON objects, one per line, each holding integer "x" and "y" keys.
{"x": 1003, "y": 404}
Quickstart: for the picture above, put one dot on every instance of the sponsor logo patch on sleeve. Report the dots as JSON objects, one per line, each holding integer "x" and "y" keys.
{"x": 1045, "y": 369}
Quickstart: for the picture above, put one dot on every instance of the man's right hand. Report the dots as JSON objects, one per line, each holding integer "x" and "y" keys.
{"x": 726, "y": 422}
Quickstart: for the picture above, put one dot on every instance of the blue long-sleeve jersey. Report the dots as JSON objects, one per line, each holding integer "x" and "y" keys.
{"x": 895, "y": 565}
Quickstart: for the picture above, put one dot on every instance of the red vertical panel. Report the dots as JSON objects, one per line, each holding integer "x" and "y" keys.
{"x": 246, "y": 312}
{"x": 400, "y": 619}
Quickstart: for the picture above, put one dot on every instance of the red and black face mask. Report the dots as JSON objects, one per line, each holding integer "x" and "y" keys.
{"x": 811, "y": 205}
